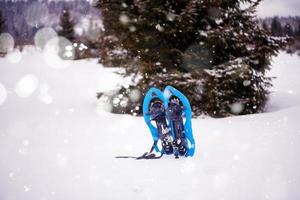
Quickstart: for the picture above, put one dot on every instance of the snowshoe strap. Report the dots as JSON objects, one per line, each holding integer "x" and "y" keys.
{"x": 147, "y": 155}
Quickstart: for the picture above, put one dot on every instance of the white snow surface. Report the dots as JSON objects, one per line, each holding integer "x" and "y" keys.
{"x": 57, "y": 143}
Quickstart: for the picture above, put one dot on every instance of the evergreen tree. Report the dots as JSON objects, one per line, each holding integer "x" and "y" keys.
{"x": 288, "y": 30}
{"x": 67, "y": 25}
{"x": 276, "y": 28}
{"x": 213, "y": 51}
{"x": 2, "y": 22}
{"x": 265, "y": 26}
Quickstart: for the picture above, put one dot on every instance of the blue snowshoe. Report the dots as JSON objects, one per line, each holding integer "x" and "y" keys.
{"x": 155, "y": 117}
{"x": 179, "y": 116}
{"x": 174, "y": 112}
{"x": 168, "y": 115}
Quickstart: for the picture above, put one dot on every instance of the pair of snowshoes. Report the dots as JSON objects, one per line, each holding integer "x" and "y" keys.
{"x": 168, "y": 116}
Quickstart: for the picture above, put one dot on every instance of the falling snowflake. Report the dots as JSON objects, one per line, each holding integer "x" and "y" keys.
{"x": 43, "y": 36}
{"x": 246, "y": 82}
{"x": 7, "y": 43}
{"x": 159, "y": 28}
{"x": 135, "y": 95}
{"x": 132, "y": 28}
{"x": 124, "y": 19}
{"x": 27, "y": 188}
{"x": 171, "y": 16}
{"x": 236, "y": 107}
{"x": 26, "y": 85}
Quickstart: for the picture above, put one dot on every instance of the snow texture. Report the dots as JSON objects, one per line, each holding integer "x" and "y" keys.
{"x": 59, "y": 144}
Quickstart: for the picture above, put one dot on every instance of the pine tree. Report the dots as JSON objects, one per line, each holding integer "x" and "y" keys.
{"x": 276, "y": 28}
{"x": 67, "y": 25}
{"x": 2, "y": 22}
{"x": 288, "y": 30}
{"x": 265, "y": 26}
{"x": 213, "y": 51}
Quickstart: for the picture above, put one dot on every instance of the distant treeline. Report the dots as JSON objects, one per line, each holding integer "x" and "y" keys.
{"x": 284, "y": 27}
{"x": 14, "y": 16}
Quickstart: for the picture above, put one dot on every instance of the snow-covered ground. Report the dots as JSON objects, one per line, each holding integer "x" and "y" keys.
{"x": 57, "y": 143}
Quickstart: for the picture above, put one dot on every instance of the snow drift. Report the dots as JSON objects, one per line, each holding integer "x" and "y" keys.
{"x": 57, "y": 142}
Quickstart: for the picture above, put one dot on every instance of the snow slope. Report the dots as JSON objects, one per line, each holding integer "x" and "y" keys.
{"x": 57, "y": 143}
